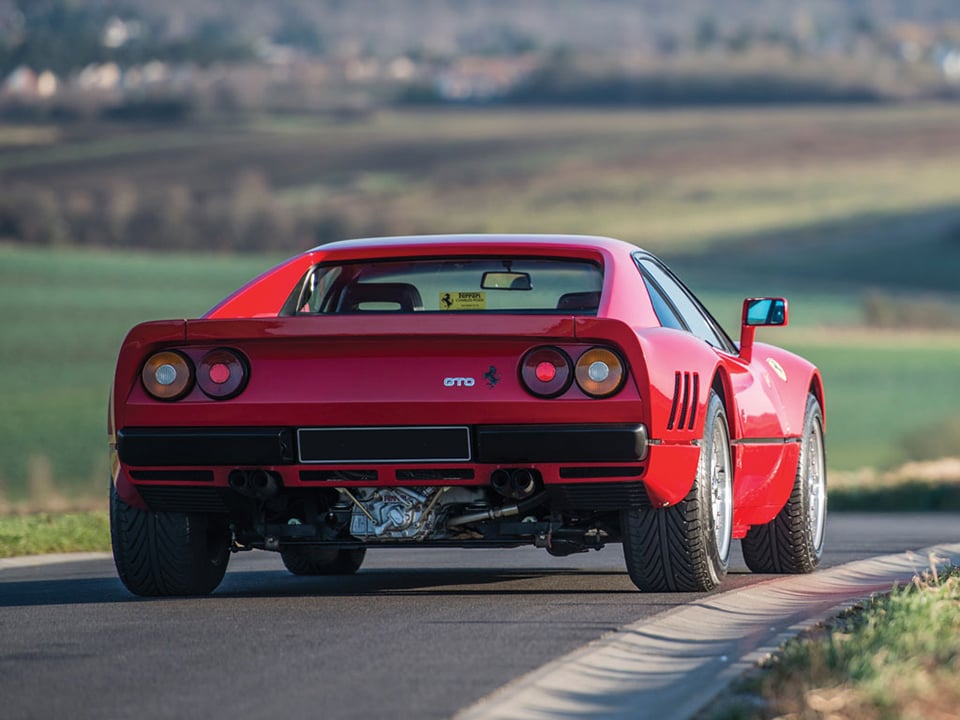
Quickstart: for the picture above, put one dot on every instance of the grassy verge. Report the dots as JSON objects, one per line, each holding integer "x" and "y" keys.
{"x": 42, "y": 533}
{"x": 896, "y": 656}
{"x": 914, "y": 487}
{"x": 915, "y": 496}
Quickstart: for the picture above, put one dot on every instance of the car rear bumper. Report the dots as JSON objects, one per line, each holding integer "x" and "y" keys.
{"x": 180, "y": 463}
{"x": 485, "y": 444}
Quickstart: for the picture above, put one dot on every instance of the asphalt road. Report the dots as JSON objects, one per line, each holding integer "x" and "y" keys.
{"x": 416, "y": 634}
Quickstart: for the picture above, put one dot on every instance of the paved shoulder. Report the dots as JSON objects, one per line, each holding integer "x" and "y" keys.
{"x": 672, "y": 665}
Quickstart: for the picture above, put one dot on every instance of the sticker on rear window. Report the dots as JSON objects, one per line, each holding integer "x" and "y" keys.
{"x": 463, "y": 301}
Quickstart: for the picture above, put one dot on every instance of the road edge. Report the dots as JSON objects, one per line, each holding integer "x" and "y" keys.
{"x": 674, "y": 664}
{"x": 26, "y": 561}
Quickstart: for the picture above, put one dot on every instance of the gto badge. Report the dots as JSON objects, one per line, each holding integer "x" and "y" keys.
{"x": 777, "y": 368}
{"x": 459, "y": 382}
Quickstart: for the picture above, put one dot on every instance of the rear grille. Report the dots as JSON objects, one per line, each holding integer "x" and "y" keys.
{"x": 173, "y": 475}
{"x": 341, "y": 475}
{"x": 599, "y": 496}
{"x": 183, "y": 499}
{"x": 686, "y": 395}
{"x": 437, "y": 474}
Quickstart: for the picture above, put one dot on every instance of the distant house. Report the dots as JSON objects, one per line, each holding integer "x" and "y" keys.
{"x": 21, "y": 83}
{"x": 47, "y": 84}
{"x": 99, "y": 77}
{"x": 484, "y": 78}
{"x": 950, "y": 65}
{"x": 913, "y": 41}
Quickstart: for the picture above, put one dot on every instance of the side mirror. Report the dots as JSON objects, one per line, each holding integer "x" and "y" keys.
{"x": 759, "y": 312}
{"x": 764, "y": 311}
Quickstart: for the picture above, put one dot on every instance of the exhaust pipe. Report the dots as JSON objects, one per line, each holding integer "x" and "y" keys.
{"x": 516, "y": 484}
{"x": 498, "y": 513}
{"x": 264, "y": 483}
{"x": 238, "y": 480}
{"x": 500, "y": 480}
{"x": 260, "y": 484}
{"x": 523, "y": 482}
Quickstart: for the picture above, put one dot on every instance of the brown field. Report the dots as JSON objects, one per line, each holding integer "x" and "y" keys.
{"x": 667, "y": 180}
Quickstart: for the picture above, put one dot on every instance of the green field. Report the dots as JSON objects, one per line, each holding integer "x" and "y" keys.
{"x": 829, "y": 206}
{"x": 63, "y": 316}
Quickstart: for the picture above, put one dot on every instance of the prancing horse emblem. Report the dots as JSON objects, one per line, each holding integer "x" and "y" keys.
{"x": 492, "y": 376}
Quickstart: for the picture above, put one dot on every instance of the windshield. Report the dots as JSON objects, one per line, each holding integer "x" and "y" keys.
{"x": 488, "y": 284}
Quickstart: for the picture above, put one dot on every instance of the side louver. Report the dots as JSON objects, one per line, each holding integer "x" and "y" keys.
{"x": 686, "y": 393}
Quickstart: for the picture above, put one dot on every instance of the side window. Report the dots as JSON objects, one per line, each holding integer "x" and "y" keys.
{"x": 665, "y": 313}
{"x": 317, "y": 292}
{"x": 689, "y": 310}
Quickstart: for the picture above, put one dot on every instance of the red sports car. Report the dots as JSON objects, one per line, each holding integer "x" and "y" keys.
{"x": 464, "y": 391}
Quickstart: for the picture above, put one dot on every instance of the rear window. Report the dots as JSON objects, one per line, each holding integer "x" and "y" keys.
{"x": 466, "y": 285}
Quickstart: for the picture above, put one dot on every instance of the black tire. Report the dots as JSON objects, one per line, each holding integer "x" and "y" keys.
{"x": 165, "y": 553}
{"x": 793, "y": 541}
{"x": 314, "y": 560}
{"x": 686, "y": 547}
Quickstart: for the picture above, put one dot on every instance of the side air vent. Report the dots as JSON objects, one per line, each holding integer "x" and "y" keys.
{"x": 686, "y": 395}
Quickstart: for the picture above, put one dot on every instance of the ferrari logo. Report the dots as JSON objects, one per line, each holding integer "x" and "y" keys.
{"x": 777, "y": 368}
{"x": 492, "y": 376}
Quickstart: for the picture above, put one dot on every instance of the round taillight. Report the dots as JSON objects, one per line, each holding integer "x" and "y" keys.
{"x": 546, "y": 371}
{"x": 222, "y": 373}
{"x": 600, "y": 372}
{"x": 167, "y": 375}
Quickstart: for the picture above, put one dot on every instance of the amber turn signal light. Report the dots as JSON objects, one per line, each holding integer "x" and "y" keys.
{"x": 167, "y": 375}
{"x": 600, "y": 372}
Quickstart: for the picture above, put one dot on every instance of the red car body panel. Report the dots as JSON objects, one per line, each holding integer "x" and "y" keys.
{"x": 389, "y": 370}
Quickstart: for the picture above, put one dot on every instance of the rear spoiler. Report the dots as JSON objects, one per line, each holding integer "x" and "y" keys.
{"x": 546, "y": 327}
{"x": 559, "y": 327}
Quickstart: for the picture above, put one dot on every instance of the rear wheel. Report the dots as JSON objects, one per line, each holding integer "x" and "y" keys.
{"x": 313, "y": 560}
{"x": 793, "y": 541}
{"x": 686, "y": 547}
{"x": 165, "y": 553}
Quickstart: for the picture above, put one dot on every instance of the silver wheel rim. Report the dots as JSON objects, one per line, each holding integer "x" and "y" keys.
{"x": 815, "y": 471}
{"x": 721, "y": 489}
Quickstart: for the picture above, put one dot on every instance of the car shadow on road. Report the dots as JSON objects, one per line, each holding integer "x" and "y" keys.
{"x": 428, "y": 582}
{"x": 453, "y": 582}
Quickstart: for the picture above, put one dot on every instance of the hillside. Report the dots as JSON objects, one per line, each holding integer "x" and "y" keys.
{"x": 388, "y": 27}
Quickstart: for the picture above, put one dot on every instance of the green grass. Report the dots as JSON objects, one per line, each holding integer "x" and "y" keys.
{"x": 50, "y": 533}
{"x": 897, "y": 656}
{"x": 901, "y": 497}
{"x": 877, "y": 393}
{"x": 63, "y": 316}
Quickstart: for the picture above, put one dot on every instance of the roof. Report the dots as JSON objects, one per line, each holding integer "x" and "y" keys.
{"x": 422, "y": 242}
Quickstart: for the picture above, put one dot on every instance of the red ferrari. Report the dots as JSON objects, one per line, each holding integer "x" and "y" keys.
{"x": 464, "y": 391}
